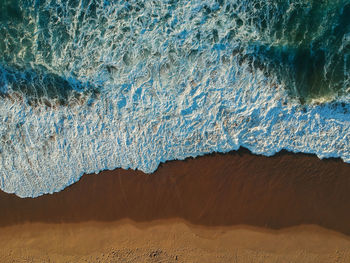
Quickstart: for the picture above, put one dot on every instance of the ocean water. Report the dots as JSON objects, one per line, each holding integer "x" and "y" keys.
{"x": 89, "y": 85}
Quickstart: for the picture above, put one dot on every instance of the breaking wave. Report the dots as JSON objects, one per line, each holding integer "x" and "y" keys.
{"x": 89, "y": 85}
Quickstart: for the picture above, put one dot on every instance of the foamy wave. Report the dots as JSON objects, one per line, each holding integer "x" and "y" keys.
{"x": 165, "y": 93}
{"x": 44, "y": 150}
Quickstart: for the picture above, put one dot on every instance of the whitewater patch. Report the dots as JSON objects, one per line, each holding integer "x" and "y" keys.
{"x": 87, "y": 86}
{"x": 43, "y": 150}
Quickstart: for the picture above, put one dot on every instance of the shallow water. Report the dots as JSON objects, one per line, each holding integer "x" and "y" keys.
{"x": 91, "y": 85}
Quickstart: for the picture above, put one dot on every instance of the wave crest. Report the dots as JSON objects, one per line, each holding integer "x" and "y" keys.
{"x": 174, "y": 79}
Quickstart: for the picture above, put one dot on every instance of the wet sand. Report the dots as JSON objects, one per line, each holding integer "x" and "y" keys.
{"x": 234, "y": 207}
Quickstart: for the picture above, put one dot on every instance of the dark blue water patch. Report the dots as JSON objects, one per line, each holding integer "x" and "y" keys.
{"x": 306, "y": 43}
{"x": 307, "y": 48}
{"x": 303, "y": 71}
{"x": 306, "y": 72}
{"x": 10, "y": 11}
{"x": 41, "y": 87}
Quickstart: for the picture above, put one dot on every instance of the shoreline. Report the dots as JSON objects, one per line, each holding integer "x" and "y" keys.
{"x": 290, "y": 201}
{"x": 202, "y": 191}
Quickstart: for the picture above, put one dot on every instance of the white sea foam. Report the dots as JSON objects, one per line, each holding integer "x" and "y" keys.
{"x": 158, "y": 102}
{"x": 51, "y": 148}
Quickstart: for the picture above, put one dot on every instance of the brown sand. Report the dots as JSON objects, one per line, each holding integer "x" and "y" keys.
{"x": 236, "y": 207}
{"x": 169, "y": 241}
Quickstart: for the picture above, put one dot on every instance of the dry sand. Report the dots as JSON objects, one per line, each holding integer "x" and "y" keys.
{"x": 169, "y": 241}
{"x": 236, "y": 207}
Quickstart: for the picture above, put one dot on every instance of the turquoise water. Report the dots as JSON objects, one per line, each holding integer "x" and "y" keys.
{"x": 305, "y": 43}
{"x": 88, "y": 85}
{"x": 308, "y": 46}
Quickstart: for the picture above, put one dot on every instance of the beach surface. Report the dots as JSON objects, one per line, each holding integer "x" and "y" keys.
{"x": 234, "y": 207}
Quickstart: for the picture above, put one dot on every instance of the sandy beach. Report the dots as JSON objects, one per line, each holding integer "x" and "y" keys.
{"x": 91, "y": 85}
{"x": 235, "y": 207}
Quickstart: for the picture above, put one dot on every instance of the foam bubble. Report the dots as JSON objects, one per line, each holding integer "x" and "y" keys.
{"x": 165, "y": 93}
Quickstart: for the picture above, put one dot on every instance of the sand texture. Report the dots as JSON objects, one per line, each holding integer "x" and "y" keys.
{"x": 234, "y": 207}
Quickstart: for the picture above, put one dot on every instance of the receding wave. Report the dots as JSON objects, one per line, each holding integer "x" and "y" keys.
{"x": 88, "y": 85}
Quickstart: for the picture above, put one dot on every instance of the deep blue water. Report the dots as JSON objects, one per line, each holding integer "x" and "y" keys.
{"x": 88, "y": 85}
